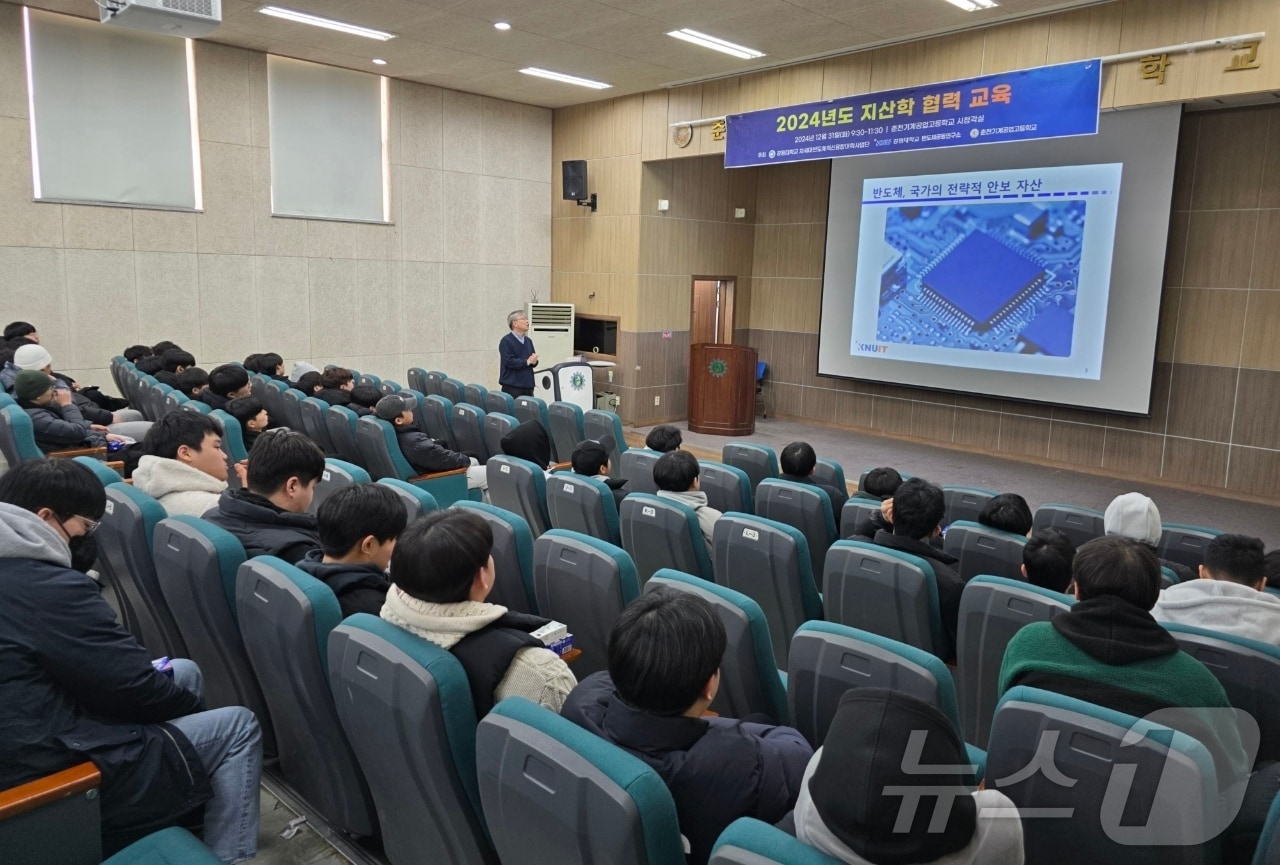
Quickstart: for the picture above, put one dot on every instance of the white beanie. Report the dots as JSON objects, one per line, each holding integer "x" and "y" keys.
{"x": 32, "y": 357}
{"x": 1133, "y": 516}
{"x": 301, "y": 368}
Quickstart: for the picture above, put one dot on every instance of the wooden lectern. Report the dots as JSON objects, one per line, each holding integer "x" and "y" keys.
{"x": 722, "y": 389}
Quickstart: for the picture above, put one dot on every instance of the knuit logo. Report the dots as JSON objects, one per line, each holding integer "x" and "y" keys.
{"x": 876, "y": 348}
{"x": 578, "y": 381}
{"x": 717, "y": 367}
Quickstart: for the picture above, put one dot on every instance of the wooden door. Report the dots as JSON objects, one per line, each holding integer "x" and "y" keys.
{"x": 711, "y": 319}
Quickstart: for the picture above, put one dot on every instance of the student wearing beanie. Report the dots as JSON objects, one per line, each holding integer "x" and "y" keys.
{"x": 418, "y": 448}
{"x": 1136, "y": 517}
{"x": 126, "y": 422}
{"x": 56, "y": 423}
{"x": 844, "y": 809}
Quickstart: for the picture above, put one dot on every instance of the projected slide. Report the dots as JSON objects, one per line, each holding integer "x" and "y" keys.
{"x": 999, "y": 270}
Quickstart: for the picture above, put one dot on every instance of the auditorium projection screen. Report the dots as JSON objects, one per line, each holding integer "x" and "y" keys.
{"x": 1029, "y": 271}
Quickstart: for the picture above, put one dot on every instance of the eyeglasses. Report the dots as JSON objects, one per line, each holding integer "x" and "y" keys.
{"x": 90, "y": 526}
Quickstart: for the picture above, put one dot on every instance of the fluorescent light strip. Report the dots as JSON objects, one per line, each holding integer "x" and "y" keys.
{"x": 565, "y": 79}
{"x": 327, "y": 23}
{"x": 196, "y": 170}
{"x": 385, "y": 94}
{"x": 973, "y": 5}
{"x": 31, "y": 104}
{"x": 717, "y": 44}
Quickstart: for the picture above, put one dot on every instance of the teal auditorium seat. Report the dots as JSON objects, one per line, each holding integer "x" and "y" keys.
{"x": 341, "y": 423}
{"x": 747, "y": 841}
{"x": 984, "y": 550}
{"x": 389, "y": 387}
{"x": 520, "y": 487}
{"x": 566, "y": 428}
{"x": 1080, "y": 524}
{"x": 728, "y": 488}
{"x": 232, "y": 438}
{"x": 768, "y": 562}
{"x": 831, "y": 473}
{"x": 585, "y": 583}
{"x": 855, "y": 510}
{"x": 417, "y": 501}
{"x": 287, "y": 614}
{"x": 433, "y": 382}
{"x": 758, "y": 461}
{"x": 453, "y": 390}
{"x": 512, "y": 556}
{"x": 405, "y": 706}
{"x": 101, "y": 471}
{"x": 497, "y": 425}
{"x": 37, "y": 828}
{"x": 383, "y": 459}
{"x": 582, "y": 504}
{"x": 554, "y": 794}
{"x": 596, "y": 424}
{"x": 1154, "y": 788}
{"x": 663, "y": 533}
{"x": 750, "y": 681}
{"x": 535, "y": 409}
{"x": 417, "y": 379}
{"x": 636, "y": 465}
{"x": 17, "y": 439}
{"x": 291, "y": 403}
{"x": 468, "y": 431}
{"x": 174, "y": 400}
{"x": 886, "y": 592}
{"x": 500, "y": 402}
{"x": 992, "y": 610}
{"x": 1268, "y": 850}
{"x": 1185, "y": 544}
{"x": 172, "y": 846}
{"x": 314, "y": 425}
{"x": 273, "y": 399}
{"x": 805, "y": 506}
{"x": 368, "y": 379}
{"x": 196, "y": 406}
{"x": 437, "y": 420}
{"x": 337, "y": 474}
{"x": 476, "y": 395}
{"x": 964, "y": 503}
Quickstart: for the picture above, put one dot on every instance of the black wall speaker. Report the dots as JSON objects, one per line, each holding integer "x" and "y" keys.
{"x": 575, "y": 179}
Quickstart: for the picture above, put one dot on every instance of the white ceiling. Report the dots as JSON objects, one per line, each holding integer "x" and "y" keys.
{"x": 452, "y": 43}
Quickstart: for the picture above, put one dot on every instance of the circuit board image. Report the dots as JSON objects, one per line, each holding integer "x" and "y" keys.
{"x": 982, "y": 277}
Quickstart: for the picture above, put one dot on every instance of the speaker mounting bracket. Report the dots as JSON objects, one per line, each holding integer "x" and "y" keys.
{"x": 588, "y": 202}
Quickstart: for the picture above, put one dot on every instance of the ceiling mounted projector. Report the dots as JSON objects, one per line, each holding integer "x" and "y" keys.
{"x": 186, "y": 18}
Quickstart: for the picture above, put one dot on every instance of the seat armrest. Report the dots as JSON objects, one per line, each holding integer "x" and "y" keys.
{"x": 434, "y": 475}
{"x": 50, "y": 788}
{"x": 78, "y": 452}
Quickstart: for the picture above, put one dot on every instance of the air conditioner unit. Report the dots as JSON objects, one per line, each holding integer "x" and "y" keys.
{"x": 551, "y": 329}
{"x": 185, "y": 18}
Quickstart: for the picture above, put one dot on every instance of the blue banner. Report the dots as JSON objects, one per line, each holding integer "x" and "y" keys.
{"x": 1048, "y": 102}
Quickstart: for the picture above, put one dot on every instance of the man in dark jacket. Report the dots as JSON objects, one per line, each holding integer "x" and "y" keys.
{"x": 269, "y": 515}
{"x": 664, "y": 671}
{"x": 420, "y": 450}
{"x": 56, "y": 422}
{"x": 797, "y": 462}
{"x": 517, "y": 357}
{"x": 529, "y": 441}
{"x": 76, "y": 686}
{"x": 916, "y": 514}
{"x": 226, "y": 382}
{"x": 358, "y": 528}
{"x": 336, "y": 384}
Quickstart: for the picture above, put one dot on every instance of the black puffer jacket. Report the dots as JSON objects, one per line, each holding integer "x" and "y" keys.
{"x": 263, "y": 528}
{"x": 59, "y": 427}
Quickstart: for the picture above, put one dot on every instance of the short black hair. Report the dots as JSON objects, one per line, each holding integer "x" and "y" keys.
{"x": 663, "y": 649}
{"x": 63, "y": 486}
{"x": 674, "y": 472}
{"x": 191, "y": 378}
{"x": 589, "y": 458}
{"x": 176, "y": 357}
{"x": 150, "y": 364}
{"x": 162, "y": 346}
{"x": 1008, "y": 512}
{"x": 1271, "y": 566}
{"x": 251, "y": 362}
{"x": 354, "y": 513}
{"x": 1236, "y": 558}
{"x": 1117, "y": 566}
{"x": 881, "y": 482}
{"x": 438, "y": 555}
{"x": 134, "y": 352}
{"x": 308, "y": 382}
{"x": 664, "y": 438}
{"x": 1047, "y": 556}
{"x": 798, "y": 458}
{"x": 178, "y": 428}
{"x": 335, "y": 377}
{"x": 918, "y": 507}
{"x": 226, "y": 378}
{"x": 270, "y": 363}
{"x": 244, "y": 408}
{"x": 280, "y": 454}
{"x": 15, "y": 329}
{"x": 365, "y": 395}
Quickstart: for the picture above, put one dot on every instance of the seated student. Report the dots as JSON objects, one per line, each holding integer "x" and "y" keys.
{"x": 664, "y": 438}
{"x": 56, "y": 422}
{"x": 191, "y": 381}
{"x": 1271, "y": 566}
{"x": 269, "y": 514}
{"x": 916, "y": 515}
{"x": 226, "y": 382}
{"x": 1046, "y": 560}
{"x": 797, "y": 462}
{"x": 149, "y": 365}
{"x": 677, "y": 476}
{"x": 1136, "y": 517}
{"x": 173, "y": 362}
{"x": 1008, "y": 512}
{"x": 254, "y": 420}
{"x": 363, "y": 398}
{"x": 591, "y": 459}
{"x": 162, "y": 346}
{"x": 335, "y": 386}
{"x": 1229, "y": 595}
{"x": 20, "y": 330}
{"x": 301, "y": 368}
{"x": 309, "y": 383}
{"x": 183, "y": 466}
{"x": 664, "y": 659}
{"x": 441, "y": 572}
{"x": 136, "y": 352}
{"x": 125, "y": 422}
{"x": 529, "y": 441}
{"x": 358, "y": 528}
{"x": 76, "y": 686}
{"x": 250, "y": 363}
{"x": 424, "y": 455}
{"x": 879, "y": 485}
{"x": 844, "y": 808}
{"x": 271, "y": 365}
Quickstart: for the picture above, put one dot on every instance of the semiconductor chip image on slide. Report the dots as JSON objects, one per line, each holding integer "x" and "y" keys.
{"x": 982, "y": 277}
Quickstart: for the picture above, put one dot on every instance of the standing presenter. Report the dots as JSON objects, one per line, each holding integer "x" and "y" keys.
{"x": 517, "y": 357}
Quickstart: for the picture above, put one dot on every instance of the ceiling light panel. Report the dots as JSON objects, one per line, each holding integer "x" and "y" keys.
{"x": 973, "y": 5}
{"x": 327, "y": 23}
{"x": 724, "y": 47}
{"x": 565, "y": 79}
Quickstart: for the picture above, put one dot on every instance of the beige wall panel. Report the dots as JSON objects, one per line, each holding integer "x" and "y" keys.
{"x": 654, "y": 132}
{"x": 950, "y": 57}
{"x": 1211, "y": 326}
{"x": 800, "y": 84}
{"x": 1232, "y": 19}
{"x": 785, "y": 304}
{"x": 683, "y": 104}
{"x": 663, "y": 302}
{"x": 743, "y": 184}
{"x": 758, "y": 90}
{"x": 1151, "y": 24}
{"x": 1085, "y": 33}
{"x": 1020, "y": 45}
{"x": 846, "y": 76}
{"x": 628, "y": 126}
{"x": 718, "y": 98}
{"x": 897, "y": 66}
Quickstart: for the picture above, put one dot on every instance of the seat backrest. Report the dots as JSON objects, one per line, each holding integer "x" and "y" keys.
{"x": 232, "y": 437}
{"x": 174, "y": 400}
{"x": 417, "y": 379}
{"x": 992, "y": 610}
{"x": 768, "y": 561}
{"x": 747, "y": 841}
{"x": 512, "y": 556}
{"x": 432, "y": 383}
{"x": 341, "y": 423}
{"x": 1247, "y": 670}
{"x": 856, "y": 510}
{"x": 886, "y": 592}
{"x": 520, "y": 487}
{"x": 1185, "y": 544}
{"x": 453, "y": 390}
{"x": 106, "y": 475}
{"x": 984, "y": 550}
{"x": 582, "y": 504}
{"x": 728, "y": 488}
{"x": 476, "y": 395}
{"x": 805, "y": 506}
{"x": 831, "y": 473}
{"x": 535, "y": 409}
{"x": 829, "y": 659}
{"x": 17, "y": 438}
{"x": 500, "y": 402}
{"x": 636, "y": 465}
{"x": 566, "y": 428}
{"x": 406, "y": 708}
{"x": 468, "y": 430}
{"x": 285, "y": 613}
{"x": 1161, "y": 775}
{"x": 417, "y": 501}
{"x": 585, "y": 583}
{"x": 196, "y": 406}
{"x": 661, "y": 533}
{"x": 750, "y": 682}
{"x": 336, "y": 475}
{"x": 1080, "y": 524}
{"x": 964, "y": 503}
{"x": 596, "y": 424}
{"x": 273, "y": 399}
{"x": 197, "y": 563}
{"x": 313, "y": 424}
{"x": 369, "y": 379}
{"x": 291, "y": 403}
{"x": 380, "y": 450}
{"x": 554, "y": 794}
{"x": 497, "y": 425}
{"x": 1268, "y": 850}
{"x": 125, "y": 563}
{"x": 388, "y": 387}
{"x": 758, "y": 461}
{"x": 437, "y": 414}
